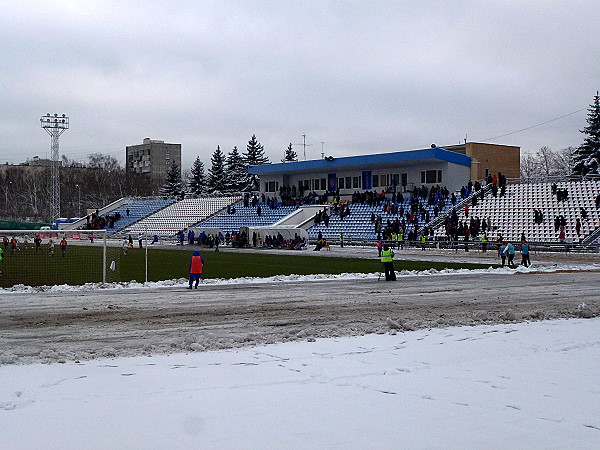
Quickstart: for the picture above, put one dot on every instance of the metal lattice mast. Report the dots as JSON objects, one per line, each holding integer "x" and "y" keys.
{"x": 55, "y": 126}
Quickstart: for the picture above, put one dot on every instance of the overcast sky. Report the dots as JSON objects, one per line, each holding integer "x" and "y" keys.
{"x": 360, "y": 76}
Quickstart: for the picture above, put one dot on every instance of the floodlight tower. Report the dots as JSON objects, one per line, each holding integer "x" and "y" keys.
{"x": 55, "y": 126}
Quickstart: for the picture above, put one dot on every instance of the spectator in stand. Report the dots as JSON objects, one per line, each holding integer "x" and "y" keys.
{"x": 562, "y": 236}
{"x": 584, "y": 213}
{"x": 578, "y": 226}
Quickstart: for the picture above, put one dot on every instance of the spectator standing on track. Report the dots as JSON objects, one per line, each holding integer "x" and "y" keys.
{"x": 510, "y": 249}
{"x": 484, "y": 241}
{"x": 525, "y": 261}
{"x": 196, "y": 267}
{"x": 140, "y": 238}
{"x": 387, "y": 259}
{"x": 502, "y": 252}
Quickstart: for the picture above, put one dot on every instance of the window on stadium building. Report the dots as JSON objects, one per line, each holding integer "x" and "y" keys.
{"x": 348, "y": 182}
{"x": 271, "y": 186}
{"x": 340, "y": 182}
{"x": 323, "y": 184}
{"x": 375, "y": 181}
{"x": 356, "y": 182}
{"x": 431, "y": 176}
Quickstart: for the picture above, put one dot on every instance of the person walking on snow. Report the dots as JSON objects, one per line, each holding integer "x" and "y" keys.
{"x": 525, "y": 261}
{"x": 508, "y": 250}
{"x": 196, "y": 265}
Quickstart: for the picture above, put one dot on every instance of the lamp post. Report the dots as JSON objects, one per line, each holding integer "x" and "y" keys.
{"x": 55, "y": 126}
{"x": 79, "y": 200}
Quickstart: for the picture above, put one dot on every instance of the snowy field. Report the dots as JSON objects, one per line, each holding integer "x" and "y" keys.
{"x": 491, "y": 358}
{"x": 525, "y": 385}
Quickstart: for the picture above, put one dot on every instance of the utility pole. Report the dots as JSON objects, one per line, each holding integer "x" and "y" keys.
{"x": 304, "y": 145}
{"x": 322, "y": 150}
{"x": 55, "y": 126}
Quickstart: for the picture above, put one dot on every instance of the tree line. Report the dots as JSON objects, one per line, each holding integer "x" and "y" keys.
{"x": 227, "y": 173}
{"x": 25, "y": 190}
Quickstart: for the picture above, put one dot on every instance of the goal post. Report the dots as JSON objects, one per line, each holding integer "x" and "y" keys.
{"x": 53, "y": 257}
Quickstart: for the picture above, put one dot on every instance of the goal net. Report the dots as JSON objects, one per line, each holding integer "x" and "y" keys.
{"x": 55, "y": 257}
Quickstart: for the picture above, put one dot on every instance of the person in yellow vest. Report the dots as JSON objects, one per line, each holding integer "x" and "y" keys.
{"x": 394, "y": 239}
{"x": 484, "y": 241}
{"x": 387, "y": 259}
{"x": 400, "y": 240}
{"x": 423, "y": 241}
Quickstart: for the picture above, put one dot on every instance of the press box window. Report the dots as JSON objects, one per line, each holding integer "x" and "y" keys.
{"x": 431, "y": 176}
{"x": 356, "y": 182}
{"x": 340, "y": 182}
{"x": 375, "y": 181}
{"x": 271, "y": 186}
{"x": 323, "y": 184}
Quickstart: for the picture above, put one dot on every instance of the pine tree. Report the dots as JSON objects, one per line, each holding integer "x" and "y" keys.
{"x": 236, "y": 173}
{"x": 216, "y": 174}
{"x": 197, "y": 182}
{"x": 290, "y": 155}
{"x": 172, "y": 186}
{"x": 254, "y": 156}
{"x": 586, "y": 159}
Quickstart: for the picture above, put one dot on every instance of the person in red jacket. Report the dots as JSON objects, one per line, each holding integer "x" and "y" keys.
{"x": 196, "y": 265}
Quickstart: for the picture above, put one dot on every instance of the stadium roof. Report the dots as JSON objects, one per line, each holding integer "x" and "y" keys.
{"x": 379, "y": 160}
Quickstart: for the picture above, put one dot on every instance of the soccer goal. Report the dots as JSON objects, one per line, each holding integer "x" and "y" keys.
{"x": 54, "y": 257}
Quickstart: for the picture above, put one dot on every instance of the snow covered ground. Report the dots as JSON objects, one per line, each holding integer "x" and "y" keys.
{"x": 520, "y": 385}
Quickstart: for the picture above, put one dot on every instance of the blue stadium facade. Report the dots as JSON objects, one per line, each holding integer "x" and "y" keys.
{"x": 392, "y": 172}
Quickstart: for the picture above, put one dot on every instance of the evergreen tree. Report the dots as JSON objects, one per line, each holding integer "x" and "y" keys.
{"x": 216, "y": 174}
{"x": 290, "y": 155}
{"x": 254, "y": 156}
{"x": 586, "y": 159}
{"x": 236, "y": 172}
{"x": 197, "y": 182}
{"x": 172, "y": 186}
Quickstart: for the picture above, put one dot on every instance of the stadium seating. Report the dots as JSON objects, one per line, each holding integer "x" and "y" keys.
{"x": 358, "y": 224}
{"x": 181, "y": 215}
{"x": 512, "y": 214}
{"x": 137, "y": 210}
{"x": 246, "y": 216}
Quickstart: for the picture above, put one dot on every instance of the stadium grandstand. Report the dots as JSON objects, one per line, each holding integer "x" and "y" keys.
{"x": 439, "y": 193}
